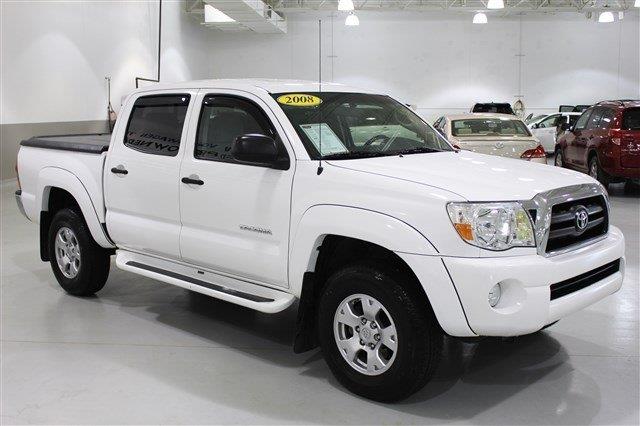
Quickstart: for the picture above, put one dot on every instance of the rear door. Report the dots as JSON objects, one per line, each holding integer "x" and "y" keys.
{"x": 235, "y": 220}
{"x": 142, "y": 174}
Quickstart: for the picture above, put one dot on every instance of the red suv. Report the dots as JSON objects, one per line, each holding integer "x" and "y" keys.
{"x": 604, "y": 142}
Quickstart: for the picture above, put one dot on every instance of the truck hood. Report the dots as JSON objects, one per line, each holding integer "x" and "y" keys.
{"x": 474, "y": 177}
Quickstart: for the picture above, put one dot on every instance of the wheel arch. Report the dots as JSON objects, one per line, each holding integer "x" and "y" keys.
{"x": 322, "y": 246}
{"x": 59, "y": 188}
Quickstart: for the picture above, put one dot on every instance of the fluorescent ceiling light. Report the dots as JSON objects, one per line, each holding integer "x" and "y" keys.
{"x": 605, "y": 17}
{"x": 211, "y": 14}
{"x": 479, "y": 18}
{"x": 345, "y": 5}
{"x": 495, "y": 4}
{"x": 637, "y": 3}
{"x": 352, "y": 20}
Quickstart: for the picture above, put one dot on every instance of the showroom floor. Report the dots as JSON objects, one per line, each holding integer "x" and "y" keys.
{"x": 145, "y": 352}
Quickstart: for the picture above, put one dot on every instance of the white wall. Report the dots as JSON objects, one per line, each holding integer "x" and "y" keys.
{"x": 55, "y": 55}
{"x": 444, "y": 63}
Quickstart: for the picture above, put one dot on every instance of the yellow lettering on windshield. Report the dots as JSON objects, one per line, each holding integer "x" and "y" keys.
{"x": 299, "y": 100}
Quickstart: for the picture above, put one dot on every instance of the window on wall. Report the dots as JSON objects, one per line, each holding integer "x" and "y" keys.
{"x": 222, "y": 120}
{"x": 156, "y": 123}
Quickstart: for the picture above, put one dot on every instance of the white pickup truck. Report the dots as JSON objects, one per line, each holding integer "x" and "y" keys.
{"x": 263, "y": 193}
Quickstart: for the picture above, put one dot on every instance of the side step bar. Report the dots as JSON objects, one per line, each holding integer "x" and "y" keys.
{"x": 253, "y": 296}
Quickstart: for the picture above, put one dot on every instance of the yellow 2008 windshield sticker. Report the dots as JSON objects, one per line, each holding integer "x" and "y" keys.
{"x": 299, "y": 100}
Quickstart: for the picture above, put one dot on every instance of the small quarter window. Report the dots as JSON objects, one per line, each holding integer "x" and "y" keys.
{"x": 156, "y": 123}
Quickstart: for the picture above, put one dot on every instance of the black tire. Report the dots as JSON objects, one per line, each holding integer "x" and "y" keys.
{"x": 94, "y": 263}
{"x": 596, "y": 172}
{"x": 419, "y": 336}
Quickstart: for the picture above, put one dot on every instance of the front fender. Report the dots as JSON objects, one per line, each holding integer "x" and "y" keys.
{"x": 367, "y": 225}
{"x": 50, "y": 177}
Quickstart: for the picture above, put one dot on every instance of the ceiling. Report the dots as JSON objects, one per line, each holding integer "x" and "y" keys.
{"x": 531, "y": 6}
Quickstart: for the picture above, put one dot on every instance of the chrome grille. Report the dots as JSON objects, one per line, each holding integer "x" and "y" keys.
{"x": 554, "y": 216}
{"x": 564, "y": 231}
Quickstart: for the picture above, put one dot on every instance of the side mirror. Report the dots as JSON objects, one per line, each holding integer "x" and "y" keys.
{"x": 535, "y": 126}
{"x": 258, "y": 150}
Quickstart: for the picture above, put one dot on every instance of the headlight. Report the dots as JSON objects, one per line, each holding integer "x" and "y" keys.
{"x": 492, "y": 226}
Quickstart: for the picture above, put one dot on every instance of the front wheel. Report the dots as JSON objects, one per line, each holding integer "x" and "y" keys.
{"x": 379, "y": 338}
{"x": 80, "y": 265}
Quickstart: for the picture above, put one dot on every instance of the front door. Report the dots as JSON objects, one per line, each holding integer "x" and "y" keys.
{"x": 141, "y": 178}
{"x": 576, "y": 139}
{"x": 235, "y": 217}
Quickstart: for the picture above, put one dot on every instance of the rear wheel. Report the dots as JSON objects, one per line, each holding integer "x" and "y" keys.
{"x": 380, "y": 340}
{"x": 596, "y": 172}
{"x": 80, "y": 265}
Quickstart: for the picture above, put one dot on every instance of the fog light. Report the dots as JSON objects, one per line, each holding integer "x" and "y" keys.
{"x": 494, "y": 295}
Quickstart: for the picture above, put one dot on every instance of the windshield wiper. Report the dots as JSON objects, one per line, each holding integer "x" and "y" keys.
{"x": 420, "y": 150}
{"x": 352, "y": 155}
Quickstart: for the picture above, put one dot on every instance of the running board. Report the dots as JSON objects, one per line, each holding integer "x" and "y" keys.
{"x": 244, "y": 293}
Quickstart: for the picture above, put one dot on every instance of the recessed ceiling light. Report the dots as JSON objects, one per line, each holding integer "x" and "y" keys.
{"x": 479, "y": 18}
{"x": 605, "y": 17}
{"x": 495, "y": 4}
{"x": 345, "y": 5}
{"x": 211, "y": 14}
{"x": 352, "y": 20}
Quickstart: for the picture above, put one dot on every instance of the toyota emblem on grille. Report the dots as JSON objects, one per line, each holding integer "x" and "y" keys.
{"x": 581, "y": 218}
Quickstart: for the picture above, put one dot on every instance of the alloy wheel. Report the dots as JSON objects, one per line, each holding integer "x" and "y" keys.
{"x": 365, "y": 334}
{"x": 67, "y": 250}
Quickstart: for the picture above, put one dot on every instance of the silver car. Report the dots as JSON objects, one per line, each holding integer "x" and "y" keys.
{"x": 503, "y": 135}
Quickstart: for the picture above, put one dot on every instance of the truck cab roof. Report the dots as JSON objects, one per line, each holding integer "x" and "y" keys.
{"x": 253, "y": 85}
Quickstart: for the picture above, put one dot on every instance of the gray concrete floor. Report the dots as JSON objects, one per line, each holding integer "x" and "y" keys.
{"x": 146, "y": 352}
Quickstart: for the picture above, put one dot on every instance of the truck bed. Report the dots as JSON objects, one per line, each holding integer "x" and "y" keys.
{"x": 89, "y": 143}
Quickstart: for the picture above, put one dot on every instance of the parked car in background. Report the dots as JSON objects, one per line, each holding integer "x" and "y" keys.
{"x": 604, "y": 142}
{"x": 493, "y": 107}
{"x": 496, "y": 134}
{"x": 547, "y": 129}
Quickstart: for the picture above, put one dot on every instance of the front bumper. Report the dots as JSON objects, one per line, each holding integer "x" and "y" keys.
{"x": 525, "y": 305}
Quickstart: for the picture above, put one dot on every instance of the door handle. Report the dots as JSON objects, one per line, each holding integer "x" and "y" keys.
{"x": 191, "y": 181}
{"x": 119, "y": 171}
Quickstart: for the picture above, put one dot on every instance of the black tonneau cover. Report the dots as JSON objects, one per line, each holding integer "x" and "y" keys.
{"x": 91, "y": 143}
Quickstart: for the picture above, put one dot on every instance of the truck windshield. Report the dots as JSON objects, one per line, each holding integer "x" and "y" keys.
{"x": 488, "y": 127}
{"x": 357, "y": 125}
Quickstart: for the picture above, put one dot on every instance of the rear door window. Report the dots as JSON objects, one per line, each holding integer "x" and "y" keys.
{"x": 594, "y": 119}
{"x": 607, "y": 118}
{"x": 156, "y": 123}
